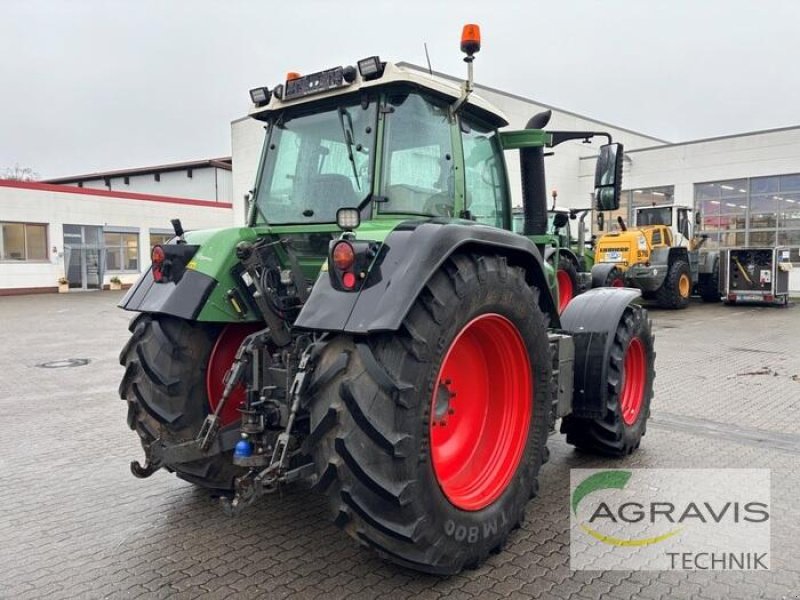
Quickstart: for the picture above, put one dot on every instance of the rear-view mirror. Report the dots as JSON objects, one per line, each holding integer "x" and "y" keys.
{"x": 608, "y": 177}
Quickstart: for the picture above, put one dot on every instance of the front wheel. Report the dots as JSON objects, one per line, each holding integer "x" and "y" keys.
{"x": 677, "y": 286}
{"x": 568, "y": 288}
{"x": 428, "y": 444}
{"x": 629, "y": 391}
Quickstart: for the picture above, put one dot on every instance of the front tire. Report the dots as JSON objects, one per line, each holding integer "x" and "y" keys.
{"x": 677, "y": 286}
{"x": 428, "y": 444}
{"x": 568, "y": 287}
{"x": 629, "y": 385}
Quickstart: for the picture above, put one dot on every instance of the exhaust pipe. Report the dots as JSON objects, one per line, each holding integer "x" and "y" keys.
{"x": 534, "y": 189}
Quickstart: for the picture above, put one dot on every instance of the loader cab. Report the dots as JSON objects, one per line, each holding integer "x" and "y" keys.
{"x": 665, "y": 225}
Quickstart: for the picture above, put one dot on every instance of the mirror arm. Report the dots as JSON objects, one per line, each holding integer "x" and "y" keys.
{"x": 557, "y": 137}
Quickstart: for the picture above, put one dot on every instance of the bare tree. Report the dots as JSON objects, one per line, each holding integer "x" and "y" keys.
{"x": 17, "y": 173}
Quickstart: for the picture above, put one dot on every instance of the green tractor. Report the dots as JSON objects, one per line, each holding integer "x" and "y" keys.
{"x": 376, "y": 330}
{"x": 571, "y": 258}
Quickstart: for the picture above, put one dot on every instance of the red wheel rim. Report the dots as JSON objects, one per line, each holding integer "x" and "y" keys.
{"x": 480, "y": 412}
{"x": 219, "y": 362}
{"x": 634, "y": 373}
{"x": 617, "y": 283}
{"x": 566, "y": 291}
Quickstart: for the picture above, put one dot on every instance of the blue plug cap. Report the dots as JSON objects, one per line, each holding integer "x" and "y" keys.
{"x": 243, "y": 449}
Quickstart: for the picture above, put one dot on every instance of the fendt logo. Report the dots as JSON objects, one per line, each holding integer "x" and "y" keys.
{"x": 669, "y": 519}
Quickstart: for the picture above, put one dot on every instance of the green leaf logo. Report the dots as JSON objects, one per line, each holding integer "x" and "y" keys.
{"x": 611, "y": 480}
{"x": 599, "y": 481}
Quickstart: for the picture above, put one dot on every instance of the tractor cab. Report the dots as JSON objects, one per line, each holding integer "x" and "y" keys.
{"x": 381, "y": 138}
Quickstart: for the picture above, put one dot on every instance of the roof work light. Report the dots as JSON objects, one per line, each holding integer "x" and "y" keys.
{"x": 260, "y": 96}
{"x": 370, "y": 68}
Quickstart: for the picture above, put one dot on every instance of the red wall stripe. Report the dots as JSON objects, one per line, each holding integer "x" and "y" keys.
{"x": 66, "y": 189}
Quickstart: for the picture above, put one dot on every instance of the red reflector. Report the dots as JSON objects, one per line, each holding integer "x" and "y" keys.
{"x": 343, "y": 256}
{"x": 349, "y": 280}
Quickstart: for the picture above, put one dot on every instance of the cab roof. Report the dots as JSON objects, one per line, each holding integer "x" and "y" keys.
{"x": 392, "y": 74}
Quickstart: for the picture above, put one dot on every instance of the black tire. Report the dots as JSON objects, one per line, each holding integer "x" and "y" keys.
{"x": 669, "y": 295}
{"x": 370, "y": 436}
{"x": 567, "y": 267}
{"x": 708, "y": 287}
{"x": 164, "y": 384}
{"x": 610, "y": 435}
{"x": 614, "y": 278}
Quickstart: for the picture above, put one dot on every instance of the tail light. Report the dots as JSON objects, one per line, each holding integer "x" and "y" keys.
{"x": 343, "y": 256}
{"x": 349, "y": 263}
{"x": 157, "y": 257}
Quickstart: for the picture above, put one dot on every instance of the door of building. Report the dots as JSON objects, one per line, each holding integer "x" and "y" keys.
{"x": 84, "y": 256}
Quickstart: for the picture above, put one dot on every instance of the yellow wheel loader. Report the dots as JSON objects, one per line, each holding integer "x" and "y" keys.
{"x": 658, "y": 255}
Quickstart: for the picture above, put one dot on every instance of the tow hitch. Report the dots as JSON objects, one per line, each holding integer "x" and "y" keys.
{"x": 257, "y": 483}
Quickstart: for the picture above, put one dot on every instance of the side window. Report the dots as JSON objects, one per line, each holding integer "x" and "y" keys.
{"x": 418, "y": 175}
{"x": 683, "y": 223}
{"x": 656, "y": 238}
{"x": 487, "y": 199}
{"x": 282, "y": 185}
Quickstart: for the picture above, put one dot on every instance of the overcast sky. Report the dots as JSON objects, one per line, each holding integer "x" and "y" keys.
{"x": 96, "y": 85}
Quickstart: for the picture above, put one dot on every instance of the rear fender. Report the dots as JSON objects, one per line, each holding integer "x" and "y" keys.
{"x": 409, "y": 257}
{"x": 570, "y": 256}
{"x": 199, "y": 290}
{"x": 600, "y": 273}
{"x": 592, "y": 320}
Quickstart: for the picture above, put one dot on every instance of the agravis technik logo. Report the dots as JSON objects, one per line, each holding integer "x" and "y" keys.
{"x": 670, "y": 519}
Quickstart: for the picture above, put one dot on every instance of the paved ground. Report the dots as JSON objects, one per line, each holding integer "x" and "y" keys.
{"x": 75, "y": 524}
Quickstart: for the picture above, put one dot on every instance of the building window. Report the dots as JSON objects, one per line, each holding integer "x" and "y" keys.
{"x": 122, "y": 251}
{"x": 23, "y": 241}
{"x": 723, "y": 211}
{"x": 654, "y": 196}
{"x": 760, "y": 211}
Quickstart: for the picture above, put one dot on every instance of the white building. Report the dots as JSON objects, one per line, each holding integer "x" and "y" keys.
{"x": 91, "y": 228}
{"x": 200, "y": 179}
